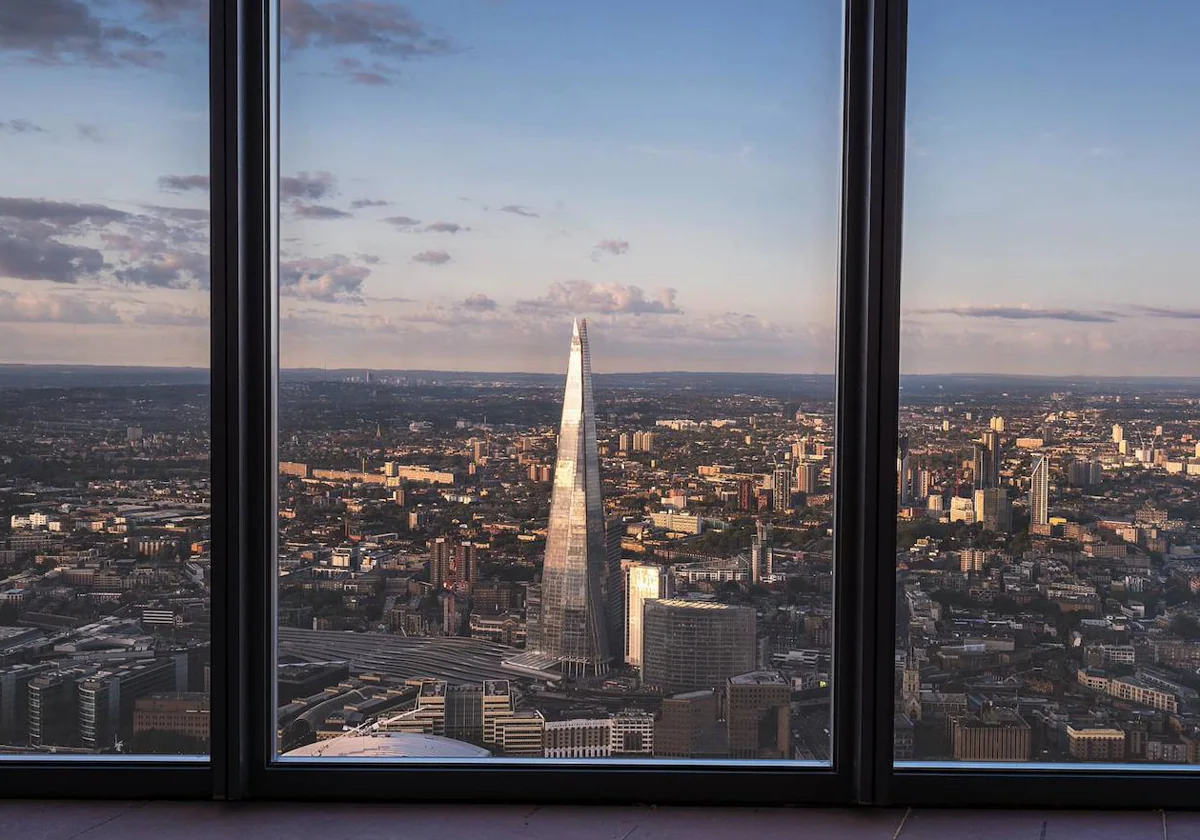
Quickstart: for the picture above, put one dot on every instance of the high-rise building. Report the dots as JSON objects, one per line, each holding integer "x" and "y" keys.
{"x": 612, "y": 585}
{"x": 573, "y": 615}
{"x": 1118, "y": 433}
{"x": 452, "y": 563}
{"x": 762, "y": 555}
{"x": 993, "y": 509}
{"x": 781, "y": 487}
{"x": 808, "y": 477}
{"x": 1039, "y": 492}
{"x": 903, "y": 470}
{"x": 690, "y": 645}
{"x": 623, "y": 442}
{"x": 643, "y": 582}
{"x": 986, "y": 465}
{"x": 758, "y": 715}
{"x": 14, "y": 700}
{"x": 997, "y": 423}
{"x": 746, "y": 493}
{"x": 1082, "y": 473}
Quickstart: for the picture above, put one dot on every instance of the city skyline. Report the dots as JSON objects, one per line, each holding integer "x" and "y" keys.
{"x": 411, "y": 244}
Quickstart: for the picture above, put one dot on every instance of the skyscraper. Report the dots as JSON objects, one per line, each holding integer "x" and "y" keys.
{"x": 808, "y": 477}
{"x": 781, "y": 484}
{"x": 643, "y": 582}
{"x": 762, "y": 560}
{"x": 573, "y": 611}
{"x": 987, "y": 461}
{"x": 690, "y": 645}
{"x": 993, "y": 509}
{"x": 1039, "y": 492}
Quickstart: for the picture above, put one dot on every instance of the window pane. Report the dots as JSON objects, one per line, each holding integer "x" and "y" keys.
{"x": 1049, "y": 460}
{"x": 557, "y": 332}
{"x": 104, "y": 391}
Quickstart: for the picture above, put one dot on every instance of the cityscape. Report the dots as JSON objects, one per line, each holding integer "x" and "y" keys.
{"x": 633, "y": 566}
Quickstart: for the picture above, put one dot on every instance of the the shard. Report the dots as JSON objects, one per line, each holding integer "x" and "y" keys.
{"x": 573, "y": 628}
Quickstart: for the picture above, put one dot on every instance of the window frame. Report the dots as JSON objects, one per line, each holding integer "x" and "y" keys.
{"x": 244, "y": 121}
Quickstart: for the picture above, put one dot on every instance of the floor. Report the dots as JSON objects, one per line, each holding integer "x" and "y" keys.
{"x": 56, "y": 820}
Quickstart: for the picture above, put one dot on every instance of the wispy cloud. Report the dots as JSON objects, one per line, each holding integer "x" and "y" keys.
{"x": 445, "y": 227}
{"x": 309, "y": 186}
{"x": 183, "y": 183}
{"x": 20, "y": 127}
{"x": 518, "y": 210}
{"x": 90, "y": 133}
{"x": 1023, "y": 313}
{"x": 1163, "y": 312}
{"x": 581, "y": 296}
{"x": 335, "y": 278}
{"x": 68, "y": 32}
{"x": 59, "y": 308}
{"x": 361, "y": 203}
{"x": 384, "y": 30}
{"x": 435, "y": 257}
{"x": 479, "y": 302}
{"x": 402, "y": 221}
{"x": 612, "y": 247}
{"x": 319, "y": 211}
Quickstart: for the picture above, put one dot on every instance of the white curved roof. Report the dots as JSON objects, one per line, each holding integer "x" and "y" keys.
{"x": 389, "y": 745}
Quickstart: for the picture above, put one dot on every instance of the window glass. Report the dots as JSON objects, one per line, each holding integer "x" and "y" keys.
{"x": 557, "y": 325}
{"x": 1049, "y": 452}
{"x": 104, "y": 382}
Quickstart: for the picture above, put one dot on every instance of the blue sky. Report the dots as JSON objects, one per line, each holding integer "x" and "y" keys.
{"x": 669, "y": 170}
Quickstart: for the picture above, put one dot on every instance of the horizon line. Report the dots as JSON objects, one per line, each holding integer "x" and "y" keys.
{"x": 366, "y": 369}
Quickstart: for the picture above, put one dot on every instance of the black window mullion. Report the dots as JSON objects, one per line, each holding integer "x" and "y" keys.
{"x": 880, "y": 381}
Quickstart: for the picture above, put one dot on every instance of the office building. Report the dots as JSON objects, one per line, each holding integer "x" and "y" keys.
{"x": 808, "y": 477}
{"x": 688, "y": 727}
{"x": 1096, "y": 743}
{"x": 14, "y": 700}
{"x": 993, "y": 509}
{"x": 994, "y": 735}
{"x": 612, "y": 587}
{"x": 185, "y": 715}
{"x": 1039, "y": 492}
{"x": 107, "y": 700}
{"x": 578, "y": 738}
{"x": 520, "y": 734}
{"x": 758, "y": 715}
{"x": 691, "y": 645}
{"x": 53, "y": 712}
{"x": 572, "y": 630}
{"x": 986, "y": 464}
{"x": 643, "y": 582}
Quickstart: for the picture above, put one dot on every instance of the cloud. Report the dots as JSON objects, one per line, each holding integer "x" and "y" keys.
{"x": 432, "y": 257}
{"x": 306, "y": 185}
{"x": 55, "y": 241}
{"x": 66, "y": 32}
{"x": 172, "y": 316}
{"x": 581, "y": 296}
{"x": 183, "y": 183}
{"x": 478, "y": 302}
{"x": 518, "y": 210}
{"x": 1022, "y": 313}
{"x": 385, "y": 30}
{"x": 332, "y": 279}
{"x": 444, "y": 227}
{"x": 402, "y": 221}
{"x": 29, "y": 307}
{"x": 172, "y": 10}
{"x": 1162, "y": 312}
{"x": 319, "y": 211}
{"x": 90, "y": 133}
{"x": 21, "y": 127}
{"x": 360, "y": 203}
{"x": 615, "y": 247}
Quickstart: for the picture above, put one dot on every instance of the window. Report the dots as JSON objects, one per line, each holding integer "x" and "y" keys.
{"x": 477, "y": 555}
{"x": 1048, "y": 435}
{"x": 104, "y": 385}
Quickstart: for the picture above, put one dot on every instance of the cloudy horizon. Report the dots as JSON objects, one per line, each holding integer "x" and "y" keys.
{"x": 462, "y": 178}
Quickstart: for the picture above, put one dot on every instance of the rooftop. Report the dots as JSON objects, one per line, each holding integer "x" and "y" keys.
{"x": 389, "y": 745}
{"x": 759, "y": 678}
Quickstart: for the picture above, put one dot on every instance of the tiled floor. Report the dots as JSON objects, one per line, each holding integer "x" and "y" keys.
{"x": 184, "y": 821}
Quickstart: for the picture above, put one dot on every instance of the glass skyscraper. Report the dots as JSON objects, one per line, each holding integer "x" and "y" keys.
{"x": 573, "y": 629}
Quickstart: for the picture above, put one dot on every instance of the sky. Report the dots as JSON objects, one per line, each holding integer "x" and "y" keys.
{"x": 461, "y": 178}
